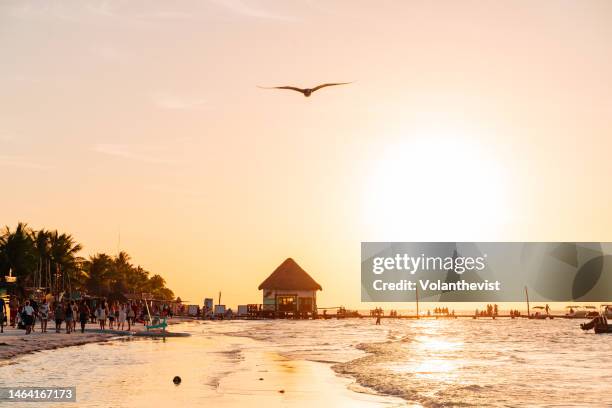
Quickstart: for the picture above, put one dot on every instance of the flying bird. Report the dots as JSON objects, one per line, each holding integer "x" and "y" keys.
{"x": 306, "y": 91}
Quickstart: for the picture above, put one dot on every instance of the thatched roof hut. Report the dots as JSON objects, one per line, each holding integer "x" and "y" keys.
{"x": 289, "y": 276}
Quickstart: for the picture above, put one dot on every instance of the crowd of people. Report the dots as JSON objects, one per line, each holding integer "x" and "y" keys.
{"x": 28, "y": 313}
{"x": 491, "y": 311}
{"x": 443, "y": 311}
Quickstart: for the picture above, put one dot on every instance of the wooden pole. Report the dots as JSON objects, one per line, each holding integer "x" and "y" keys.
{"x": 527, "y": 296}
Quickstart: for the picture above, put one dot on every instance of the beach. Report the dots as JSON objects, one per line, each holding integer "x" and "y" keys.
{"x": 217, "y": 368}
{"x": 350, "y": 362}
{"x": 13, "y": 342}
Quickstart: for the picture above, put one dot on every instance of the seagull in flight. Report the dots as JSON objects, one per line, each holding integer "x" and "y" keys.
{"x": 306, "y": 91}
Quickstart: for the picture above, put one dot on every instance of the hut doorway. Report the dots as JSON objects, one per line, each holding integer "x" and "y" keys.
{"x": 305, "y": 304}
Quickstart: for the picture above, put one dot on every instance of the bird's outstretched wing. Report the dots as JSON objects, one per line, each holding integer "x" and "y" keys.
{"x": 292, "y": 88}
{"x": 316, "y": 88}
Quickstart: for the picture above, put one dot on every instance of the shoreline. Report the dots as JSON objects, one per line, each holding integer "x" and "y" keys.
{"x": 266, "y": 376}
{"x": 330, "y": 375}
{"x": 14, "y": 343}
{"x": 215, "y": 365}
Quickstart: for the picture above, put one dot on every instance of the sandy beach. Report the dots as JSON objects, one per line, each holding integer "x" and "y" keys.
{"x": 14, "y": 343}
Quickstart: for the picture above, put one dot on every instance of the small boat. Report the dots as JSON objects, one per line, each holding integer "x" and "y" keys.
{"x": 575, "y": 312}
{"x": 158, "y": 326}
{"x": 599, "y": 324}
{"x": 540, "y": 313}
{"x": 591, "y": 311}
{"x": 607, "y": 311}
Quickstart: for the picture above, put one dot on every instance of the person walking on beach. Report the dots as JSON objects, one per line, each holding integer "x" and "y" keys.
{"x": 69, "y": 317}
{"x": 131, "y": 315}
{"x": 111, "y": 317}
{"x": 75, "y": 313}
{"x": 116, "y": 314}
{"x": 2, "y": 314}
{"x": 92, "y": 316}
{"x": 27, "y": 315}
{"x": 83, "y": 315}
{"x": 58, "y": 312}
{"x": 101, "y": 316}
{"x": 121, "y": 317}
{"x": 43, "y": 313}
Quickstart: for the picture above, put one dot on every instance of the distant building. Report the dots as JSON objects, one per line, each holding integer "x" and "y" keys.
{"x": 289, "y": 290}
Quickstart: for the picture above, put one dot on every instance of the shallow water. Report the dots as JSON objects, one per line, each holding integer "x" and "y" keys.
{"x": 459, "y": 362}
{"x": 127, "y": 372}
{"x": 217, "y": 370}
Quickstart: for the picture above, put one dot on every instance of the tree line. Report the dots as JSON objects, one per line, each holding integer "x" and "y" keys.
{"x": 49, "y": 261}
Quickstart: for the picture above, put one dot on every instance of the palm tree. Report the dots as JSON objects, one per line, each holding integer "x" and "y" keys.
{"x": 99, "y": 268}
{"x": 64, "y": 261}
{"x": 42, "y": 245}
{"x": 137, "y": 279}
{"x": 121, "y": 271}
{"x": 17, "y": 253}
{"x": 157, "y": 287}
{"x": 49, "y": 259}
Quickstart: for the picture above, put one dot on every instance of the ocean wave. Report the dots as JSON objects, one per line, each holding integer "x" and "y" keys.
{"x": 449, "y": 363}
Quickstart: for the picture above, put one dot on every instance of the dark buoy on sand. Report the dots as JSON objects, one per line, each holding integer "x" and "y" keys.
{"x": 176, "y": 380}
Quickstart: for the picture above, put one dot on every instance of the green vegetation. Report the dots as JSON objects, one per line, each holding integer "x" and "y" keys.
{"x": 49, "y": 260}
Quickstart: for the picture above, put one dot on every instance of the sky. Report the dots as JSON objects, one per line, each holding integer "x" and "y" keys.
{"x": 138, "y": 125}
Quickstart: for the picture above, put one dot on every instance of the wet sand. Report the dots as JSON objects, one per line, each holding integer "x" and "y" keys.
{"x": 265, "y": 378}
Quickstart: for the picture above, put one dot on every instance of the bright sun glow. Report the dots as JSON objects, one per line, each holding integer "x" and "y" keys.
{"x": 439, "y": 185}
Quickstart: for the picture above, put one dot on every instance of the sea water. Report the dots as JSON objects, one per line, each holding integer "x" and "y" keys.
{"x": 459, "y": 362}
{"x": 428, "y": 362}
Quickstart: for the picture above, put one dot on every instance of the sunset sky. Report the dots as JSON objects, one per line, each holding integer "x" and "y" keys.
{"x": 473, "y": 120}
